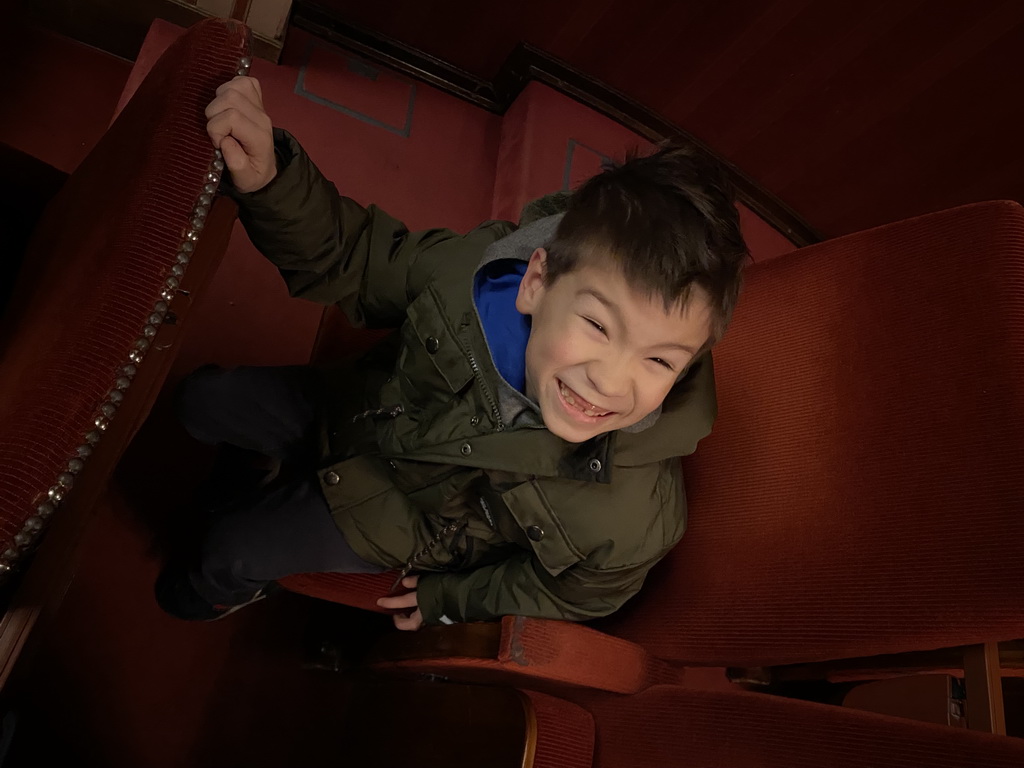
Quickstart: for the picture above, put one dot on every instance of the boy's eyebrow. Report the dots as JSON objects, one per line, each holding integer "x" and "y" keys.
{"x": 612, "y": 307}
{"x": 683, "y": 347}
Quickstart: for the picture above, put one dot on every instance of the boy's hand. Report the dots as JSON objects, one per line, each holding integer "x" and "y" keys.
{"x": 243, "y": 132}
{"x": 407, "y": 619}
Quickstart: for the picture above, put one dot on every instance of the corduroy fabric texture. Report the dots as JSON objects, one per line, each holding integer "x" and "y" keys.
{"x": 360, "y": 590}
{"x": 673, "y": 727}
{"x": 97, "y": 264}
{"x": 565, "y": 733}
{"x": 861, "y": 492}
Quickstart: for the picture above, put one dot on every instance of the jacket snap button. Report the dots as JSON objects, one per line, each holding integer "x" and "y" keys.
{"x": 475, "y": 420}
{"x": 466, "y": 449}
{"x": 535, "y": 532}
{"x": 433, "y": 344}
{"x": 331, "y": 478}
{"x": 595, "y": 465}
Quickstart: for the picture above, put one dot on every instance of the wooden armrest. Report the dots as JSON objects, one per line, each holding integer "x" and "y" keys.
{"x": 523, "y": 651}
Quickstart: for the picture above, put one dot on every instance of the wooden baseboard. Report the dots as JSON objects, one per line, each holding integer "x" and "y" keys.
{"x": 119, "y": 27}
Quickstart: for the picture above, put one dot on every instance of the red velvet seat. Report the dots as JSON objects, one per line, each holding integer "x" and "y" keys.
{"x": 860, "y": 493}
{"x": 673, "y": 726}
{"x": 666, "y": 725}
{"x": 91, "y": 332}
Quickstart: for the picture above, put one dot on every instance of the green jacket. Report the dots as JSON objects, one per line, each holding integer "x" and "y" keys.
{"x": 415, "y": 449}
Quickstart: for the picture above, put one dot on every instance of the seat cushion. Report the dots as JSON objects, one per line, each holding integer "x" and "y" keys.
{"x": 673, "y": 726}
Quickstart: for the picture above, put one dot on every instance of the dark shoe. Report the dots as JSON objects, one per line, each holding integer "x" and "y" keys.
{"x": 227, "y": 610}
{"x": 177, "y": 597}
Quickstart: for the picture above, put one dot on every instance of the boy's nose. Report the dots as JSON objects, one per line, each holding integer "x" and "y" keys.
{"x": 609, "y": 378}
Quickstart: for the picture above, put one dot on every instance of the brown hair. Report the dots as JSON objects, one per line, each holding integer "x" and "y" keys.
{"x": 667, "y": 220}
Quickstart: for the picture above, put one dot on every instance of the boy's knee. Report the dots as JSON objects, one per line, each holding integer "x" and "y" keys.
{"x": 196, "y": 395}
{"x": 224, "y": 553}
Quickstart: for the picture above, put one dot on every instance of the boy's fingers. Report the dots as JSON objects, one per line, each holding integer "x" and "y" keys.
{"x": 255, "y": 85}
{"x": 234, "y": 156}
{"x": 410, "y": 582}
{"x": 232, "y": 102}
{"x": 238, "y": 110}
{"x": 247, "y": 87}
{"x": 400, "y": 601}
{"x": 408, "y": 622}
{"x": 245, "y": 128}
{"x": 250, "y": 136}
{"x": 219, "y": 126}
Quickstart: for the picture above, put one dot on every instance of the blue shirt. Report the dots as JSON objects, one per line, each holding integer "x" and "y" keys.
{"x": 495, "y": 290}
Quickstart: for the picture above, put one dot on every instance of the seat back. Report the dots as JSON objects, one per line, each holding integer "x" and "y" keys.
{"x": 861, "y": 491}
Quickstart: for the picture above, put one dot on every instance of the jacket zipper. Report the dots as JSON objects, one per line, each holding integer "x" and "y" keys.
{"x": 387, "y": 412}
{"x": 438, "y": 538}
{"x": 487, "y": 394}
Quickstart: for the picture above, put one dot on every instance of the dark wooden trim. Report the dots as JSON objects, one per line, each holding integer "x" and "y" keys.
{"x": 239, "y": 9}
{"x": 530, "y": 737}
{"x": 325, "y": 24}
{"x": 1010, "y": 656}
{"x": 984, "y": 683}
{"x": 528, "y": 63}
{"x": 262, "y": 47}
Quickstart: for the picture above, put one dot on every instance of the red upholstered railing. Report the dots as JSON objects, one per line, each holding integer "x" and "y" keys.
{"x": 106, "y": 260}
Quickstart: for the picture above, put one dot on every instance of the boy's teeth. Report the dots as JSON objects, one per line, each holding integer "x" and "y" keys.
{"x": 589, "y": 410}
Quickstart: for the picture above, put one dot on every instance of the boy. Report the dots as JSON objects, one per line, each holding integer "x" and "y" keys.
{"x": 514, "y": 448}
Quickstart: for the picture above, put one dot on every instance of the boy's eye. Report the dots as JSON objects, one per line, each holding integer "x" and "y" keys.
{"x": 596, "y": 325}
{"x": 663, "y": 363}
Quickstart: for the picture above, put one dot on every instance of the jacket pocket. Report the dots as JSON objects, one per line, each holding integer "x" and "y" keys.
{"x": 432, "y": 349}
{"x": 543, "y": 532}
{"x": 379, "y": 522}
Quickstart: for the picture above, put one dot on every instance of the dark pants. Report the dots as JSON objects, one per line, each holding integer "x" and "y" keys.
{"x": 285, "y": 527}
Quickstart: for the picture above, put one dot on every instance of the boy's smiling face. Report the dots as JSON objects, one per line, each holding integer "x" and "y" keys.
{"x": 602, "y": 356}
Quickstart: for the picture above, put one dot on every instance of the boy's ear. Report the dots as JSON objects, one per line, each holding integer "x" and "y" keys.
{"x": 532, "y": 286}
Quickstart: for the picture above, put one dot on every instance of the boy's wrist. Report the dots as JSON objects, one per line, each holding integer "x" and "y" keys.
{"x": 285, "y": 151}
{"x": 430, "y": 599}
